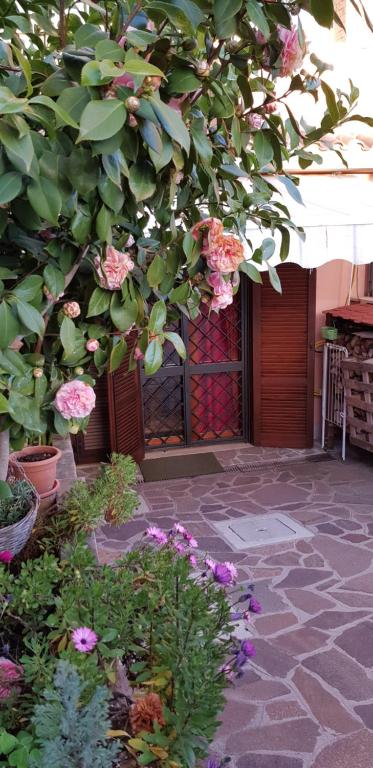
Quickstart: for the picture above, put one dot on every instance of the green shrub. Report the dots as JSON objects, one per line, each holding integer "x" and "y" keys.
{"x": 15, "y": 506}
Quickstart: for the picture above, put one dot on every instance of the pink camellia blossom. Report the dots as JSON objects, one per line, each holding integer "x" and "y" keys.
{"x": 6, "y": 556}
{"x": 138, "y": 354}
{"x": 92, "y": 345}
{"x": 223, "y": 291}
{"x": 157, "y": 534}
{"x": 113, "y": 270}
{"x": 292, "y": 53}
{"x": 75, "y": 399}
{"x": 126, "y": 80}
{"x": 255, "y": 121}
{"x": 84, "y": 639}
{"x": 226, "y": 254}
{"x": 211, "y": 228}
{"x": 10, "y": 674}
{"x": 71, "y": 309}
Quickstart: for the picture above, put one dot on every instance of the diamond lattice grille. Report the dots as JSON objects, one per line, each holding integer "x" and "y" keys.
{"x": 163, "y": 411}
{"x": 216, "y": 405}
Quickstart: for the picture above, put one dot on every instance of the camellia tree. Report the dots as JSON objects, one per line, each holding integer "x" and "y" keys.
{"x": 138, "y": 139}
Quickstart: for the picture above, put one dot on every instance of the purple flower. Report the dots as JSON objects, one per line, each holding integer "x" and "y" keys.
{"x": 248, "y": 649}
{"x": 193, "y": 560}
{"x": 236, "y": 616}
{"x": 6, "y": 556}
{"x": 191, "y": 540}
{"x": 244, "y": 597}
{"x": 255, "y": 606}
{"x": 84, "y": 639}
{"x": 179, "y": 548}
{"x": 222, "y": 574}
{"x": 157, "y": 534}
{"x": 211, "y": 763}
{"x": 178, "y": 528}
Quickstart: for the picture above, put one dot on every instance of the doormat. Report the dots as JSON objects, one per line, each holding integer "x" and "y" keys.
{"x": 173, "y": 467}
{"x": 259, "y": 530}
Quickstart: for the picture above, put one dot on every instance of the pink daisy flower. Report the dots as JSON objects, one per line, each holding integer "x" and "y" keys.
{"x": 157, "y": 534}
{"x": 84, "y": 639}
{"x": 232, "y": 570}
{"x": 193, "y": 560}
{"x": 179, "y": 548}
{"x": 178, "y": 528}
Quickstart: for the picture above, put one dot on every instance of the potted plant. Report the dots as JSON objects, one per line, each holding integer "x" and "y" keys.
{"x": 39, "y": 463}
{"x": 329, "y": 333}
{"x": 19, "y": 503}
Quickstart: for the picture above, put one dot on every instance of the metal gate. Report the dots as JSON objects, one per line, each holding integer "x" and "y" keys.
{"x": 333, "y": 392}
{"x": 203, "y": 399}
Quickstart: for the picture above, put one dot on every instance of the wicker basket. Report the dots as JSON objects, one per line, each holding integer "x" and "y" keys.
{"x": 14, "y": 537}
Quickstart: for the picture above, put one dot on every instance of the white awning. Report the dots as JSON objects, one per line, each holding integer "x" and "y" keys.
{"x": 337, "y": 217}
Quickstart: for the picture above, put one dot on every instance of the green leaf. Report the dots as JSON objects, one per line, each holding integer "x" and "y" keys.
{"x": 9, "y": 327}
{"x": 54, "y": 280}
{"x": 28, "y": 288}
{"x": 30, "y": 317}
{"x": 25, "y": 66}
{"x": 236, "y": 135}
{"x": 225, "y": 12}
{"x": 10, "y": 186}
{"x": 73, "y": 101}
{"x": 183, "y": 80}
{"x": 142, "y": 180}
{"x": 200, "y": 140}
{"x": 3, "y": 409}
{"x": 67, "y": 335}
{"x": 171, "y": 122}
{"x": 64, "y": 116}
{"x": 156, "y": 271}
{"x": 153, "y": 357}
{"x": 82, "y": 170}
{"x": 268, "y": 248}
{"x": 138, "y": 66}
{"x": 252, "y": 272}
{"x": 117, "y": 355}
{"x": 263, "y": 148}
{"x": 257, "y": 16}
{"x": 291, "y": 188}
{"x": 151, "y": 135}
{"x": 99, "y": 302}
{"x": 102, "y": 119}
{"x": 91, "y": 74}
{"x": 331, "y": 102}
{"x": 7, "y": 742}
{"x": 81, "y": 224}
{"x": 274, "y": 278}
{"x": 88, "y": 35}
{"x": 109, "y": 49}
{"x": 285, "y": 243}
{"x": 140, "y": 38}
{"x": 160, "y": 160}
{"x": 157, "y": 318}
{"x": 180, "y": 294}
{"x": 123, "y": 314}
{"x": 45, "y": 199}
{"x": 111, "y": 194}
{"x": 25, "y": 411}
{"x": 9, "y": 104}
{"x": 178, "y": 343}
{"x": 103, "y": 225}
{"x": 185, "y": 15}
{"x": 19, "y": 149}
{"x": 323, "y": 12}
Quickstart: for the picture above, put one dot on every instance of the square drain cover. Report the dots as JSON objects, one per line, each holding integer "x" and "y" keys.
{"x": 258, "y": 530}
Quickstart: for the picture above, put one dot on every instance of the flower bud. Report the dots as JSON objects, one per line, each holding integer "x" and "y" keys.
{"x": 132, "y": 104}
{"x": 71, "y": 309}
{"x": 79, "y": 370}
{"x": 92, "y": 345}
{"x": 37, "y": 373}
{"x": 132, "y": 121}
{"x": 203, "y": 68}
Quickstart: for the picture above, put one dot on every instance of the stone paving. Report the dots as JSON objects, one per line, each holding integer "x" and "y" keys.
{"x": 306, "y": 701}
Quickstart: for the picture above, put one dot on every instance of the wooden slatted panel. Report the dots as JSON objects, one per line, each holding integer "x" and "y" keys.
{"x": 94, "y": 445}
{"x": 283, "y": 354}
{"x": 125, "y": 410}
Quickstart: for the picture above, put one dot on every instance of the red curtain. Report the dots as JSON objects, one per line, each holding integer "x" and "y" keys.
{"x": 215, "y": 397}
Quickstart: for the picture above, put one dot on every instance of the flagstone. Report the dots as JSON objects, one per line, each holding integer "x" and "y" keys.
{"x": 285, "y": 558}
{"x": 300, "y": 641}
{"x": 269, "y": 625}
{"x": 333, "y": 619}
{"x": 260, "y": 690}
{"x": 284, "y": 710}
{"x": 346, "y": 559}
{"x": 279, "y": 493}
{"x": 282, "y": 737}
{"x": 329, "y": 528}
{"x": 268, "y": 761}
{"x": 310, "y": 602}
{"x": 363, "y": 583}
{"x": 325, "y": 707}
{"x": 299, "y": 577}
{"x": 235, "y": 717}
{"x": 358, "y": 643}
{"x": 353, "y": 599}
{"x": 314, "y": 561}
{"x": 273, "y": 660}
{"x": 365, "y": 711}
{"x": 347, "y": 525}
{"x": 342, "y": 673}
{"x": 355, "y": 750}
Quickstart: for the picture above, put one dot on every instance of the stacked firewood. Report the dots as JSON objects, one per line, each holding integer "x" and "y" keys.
{"x": 359, "y": 347}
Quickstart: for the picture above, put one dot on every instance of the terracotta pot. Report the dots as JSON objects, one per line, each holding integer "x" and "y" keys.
{"x": 48, "y": 499}
{"x": 42, "y": 474}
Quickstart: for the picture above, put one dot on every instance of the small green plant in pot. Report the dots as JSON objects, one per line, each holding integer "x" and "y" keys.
{"x": 18, "y": 509}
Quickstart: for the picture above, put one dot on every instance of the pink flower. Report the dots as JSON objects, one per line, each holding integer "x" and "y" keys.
{"x": 255, "y": 121}
{"x": 193, "y": 543}
{"x": 126, "y": 80}
{"x": 210, "y": 228}
{"x": 157, "y": 534}
{"x": 75, "y": 399}
{"x": 10, "y": 673}
{"x": 225, "y": 255}
{"x": 291, "y": 54}
{"x": 179, "y": 548}
{"x": 223, "y": 291}
{"x": 193, "y": 560}
{"x": 6, "y": 556}
{"x": 84, "y": 639}
{"x": 138, "y": 354}
{"x": 92, "y": 345}
{"x": 210, "y": 563}
{"x": 232, "y": 570}
{"x": 114, "y": 269}
{"x": 178, "y": 528}
{"x": 71, "y": 309}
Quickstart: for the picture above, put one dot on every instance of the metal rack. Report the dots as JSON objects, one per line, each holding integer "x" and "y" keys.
{"x": 333, "y": 392}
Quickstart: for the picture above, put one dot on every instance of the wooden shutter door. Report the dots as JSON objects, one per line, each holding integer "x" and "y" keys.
{"x": 125, "y": 410}
{"x": 283, "y": 359}
{"x": 94, "y": 444}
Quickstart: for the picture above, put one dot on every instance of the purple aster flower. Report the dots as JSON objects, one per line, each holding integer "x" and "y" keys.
{"x": 179, "y": 548}
{"x": 222, "y": 574}
{"x": 193, "y": 560}
{"x": 157, "y": 534}
{"x": 236, "y": 616}
{"x": 84, "y": 639}
{"x": 248, "y": 649}
{"x": 178, "y": 528}
{"x": 191, "y": 540}
{"x": 244, "y": 597}
{"x": 240, "y": 661}
{"x": 255, "y": 606}
{"x": 211, "y": 763}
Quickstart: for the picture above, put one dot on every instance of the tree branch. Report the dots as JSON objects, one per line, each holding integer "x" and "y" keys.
{"x": 135, "y": 10}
